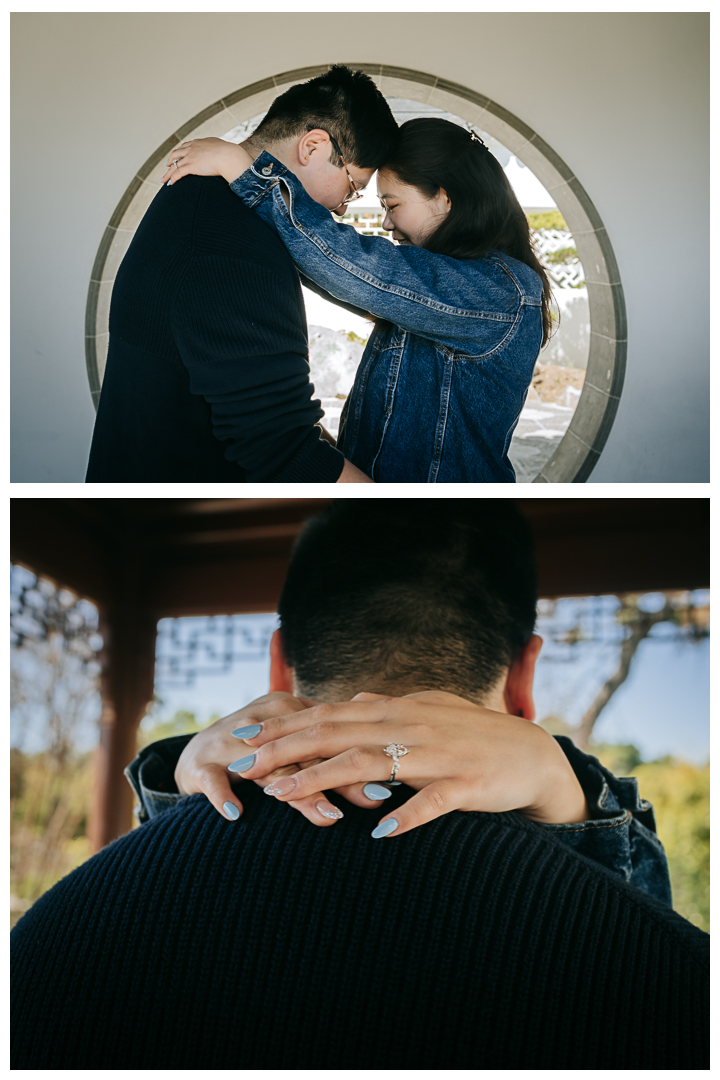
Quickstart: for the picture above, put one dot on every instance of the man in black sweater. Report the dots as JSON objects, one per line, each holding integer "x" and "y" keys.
{"x": 475, "y": 941}
{"x": 207, "y": 368}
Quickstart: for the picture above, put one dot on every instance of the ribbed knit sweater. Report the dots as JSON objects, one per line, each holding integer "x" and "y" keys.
{"x": 207, "y": 375}
{"x": 477, "y": 941}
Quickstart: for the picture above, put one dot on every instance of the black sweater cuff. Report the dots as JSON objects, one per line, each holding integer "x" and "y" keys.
{"x": 314, "y": 462}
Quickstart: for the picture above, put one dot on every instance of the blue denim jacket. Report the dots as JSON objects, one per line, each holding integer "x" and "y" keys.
{"x": 620, "y": 836}
{"x": 439, "y": 390}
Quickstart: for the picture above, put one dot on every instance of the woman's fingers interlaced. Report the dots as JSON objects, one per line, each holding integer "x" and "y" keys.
{"x": 345, "y": 719}
{"x": 317, "y": 808}
{"x": 327, "y": 739}
{"x": 359, "y": 765}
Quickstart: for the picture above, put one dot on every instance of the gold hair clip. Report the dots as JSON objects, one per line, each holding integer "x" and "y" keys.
{"x": 477, "y": 139}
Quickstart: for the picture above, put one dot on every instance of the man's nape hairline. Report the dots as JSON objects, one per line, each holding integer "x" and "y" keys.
{"x": 409, "y": 597}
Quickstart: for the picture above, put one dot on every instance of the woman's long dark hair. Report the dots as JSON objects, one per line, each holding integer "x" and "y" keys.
{"x": 484, "y": 212}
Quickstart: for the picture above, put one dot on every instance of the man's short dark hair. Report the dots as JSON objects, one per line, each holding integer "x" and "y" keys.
{"x": 347, "y": 104}
{"x": 394, "y": 595}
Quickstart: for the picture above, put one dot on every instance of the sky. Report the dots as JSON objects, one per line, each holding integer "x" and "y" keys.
{"x": 663, "y": 708}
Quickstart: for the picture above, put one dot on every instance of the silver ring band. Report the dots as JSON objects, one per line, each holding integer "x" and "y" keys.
{"x": 395, "y": 751}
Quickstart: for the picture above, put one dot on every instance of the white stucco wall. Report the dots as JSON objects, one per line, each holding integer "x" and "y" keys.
{"x": 621, "y": 98}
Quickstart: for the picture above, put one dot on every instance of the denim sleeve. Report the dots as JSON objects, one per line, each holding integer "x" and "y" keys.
{"x": 151, "y": 775}
{"x": 425, "y": 293}
{"x": 313, "y": 285}
{"x": 621, "y": 834}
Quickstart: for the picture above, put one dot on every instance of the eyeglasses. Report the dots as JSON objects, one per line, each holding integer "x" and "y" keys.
{"x": 354, "y": 193}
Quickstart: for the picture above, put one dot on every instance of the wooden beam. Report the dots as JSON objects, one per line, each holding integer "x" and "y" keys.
{"x": 49, "y": 544}
{"x": 596, "y": 546}
{"x": 127, "y": 682}
{"x": 219, "y": 587}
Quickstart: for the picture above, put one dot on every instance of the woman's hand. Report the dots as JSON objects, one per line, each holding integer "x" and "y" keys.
{"x": 203, "y": 765}
{"x": 460, "y": 757}
{"x": 207, "y": 157}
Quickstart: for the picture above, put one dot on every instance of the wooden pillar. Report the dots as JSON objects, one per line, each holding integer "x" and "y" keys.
{"x": 128, "y": 662}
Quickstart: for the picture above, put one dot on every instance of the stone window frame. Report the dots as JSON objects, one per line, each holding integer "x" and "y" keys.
{"x": 579, "y": 450}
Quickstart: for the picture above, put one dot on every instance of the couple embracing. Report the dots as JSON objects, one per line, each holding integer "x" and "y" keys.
{"x": 207, "y": 375}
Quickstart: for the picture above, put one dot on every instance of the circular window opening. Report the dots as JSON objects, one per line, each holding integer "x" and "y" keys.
{"x": 578, "y": 379}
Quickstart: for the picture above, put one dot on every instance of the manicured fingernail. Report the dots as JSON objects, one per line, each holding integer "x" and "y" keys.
{"x": 242, "y": 764}
{"x": 376, "y": 791}
{"x": 248, "y": 732}
{"x": 283, "y": 786}
{"x": 231, "y": 810}
{"x": 168, "y": 183}
{"x": 328, "y": 810}
{"x": 385, "y": 829}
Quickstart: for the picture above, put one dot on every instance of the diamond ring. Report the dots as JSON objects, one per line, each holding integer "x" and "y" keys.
{"x": 395, "y": 751}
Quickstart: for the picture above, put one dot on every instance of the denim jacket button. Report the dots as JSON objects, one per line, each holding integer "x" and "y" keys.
{"x": 267, "y": 170}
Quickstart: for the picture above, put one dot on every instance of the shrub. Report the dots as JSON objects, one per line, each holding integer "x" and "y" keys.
{"x": 551, "y": 219}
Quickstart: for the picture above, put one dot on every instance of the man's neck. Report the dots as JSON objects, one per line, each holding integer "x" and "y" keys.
{"x": 280, "y": 151}
{"x": 494, "y": 699}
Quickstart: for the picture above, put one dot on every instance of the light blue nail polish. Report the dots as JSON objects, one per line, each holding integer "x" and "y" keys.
{"x": 385, "y": 829}
{"x": 376, "y": 791}
{"x": 231, "y": 810}
{"x": 248, "y": 732}
{"x": 168, "y": 183}
{"x": 242, "y": 764}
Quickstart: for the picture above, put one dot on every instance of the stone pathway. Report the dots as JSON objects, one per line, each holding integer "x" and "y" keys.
{"x": 540, "y": 428}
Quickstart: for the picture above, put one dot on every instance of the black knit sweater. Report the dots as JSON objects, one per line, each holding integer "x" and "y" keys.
{"x": 207, "y": 368}
{"x": 477, "y": 941}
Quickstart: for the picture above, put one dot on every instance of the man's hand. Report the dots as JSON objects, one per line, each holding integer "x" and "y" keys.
{"x": 351, "y": 475}
{"x": 207, "y": 157}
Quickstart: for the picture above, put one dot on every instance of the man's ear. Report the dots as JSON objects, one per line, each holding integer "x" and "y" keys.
{"x": 519, "y": 683}
{"x": 312, "y": 141}
{"x": 281, "y": 676}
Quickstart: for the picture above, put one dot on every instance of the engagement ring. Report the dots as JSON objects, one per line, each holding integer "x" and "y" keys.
{"x": 395, "y": 751}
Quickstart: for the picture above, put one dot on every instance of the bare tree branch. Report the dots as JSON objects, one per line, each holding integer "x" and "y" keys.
{"x": 640, "y": 624}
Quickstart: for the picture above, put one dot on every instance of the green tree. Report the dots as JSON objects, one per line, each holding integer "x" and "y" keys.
{"x": 181, "y": 722}
{"x": 680, "y": 794}
{"x": 49, "y": 803}
{"x": 550, "y": 219}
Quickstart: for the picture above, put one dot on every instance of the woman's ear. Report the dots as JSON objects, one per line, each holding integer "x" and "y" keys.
{"x": 443, "y": 201}
{"x": 281, "y": 676}
{"x": 518, "y": 696}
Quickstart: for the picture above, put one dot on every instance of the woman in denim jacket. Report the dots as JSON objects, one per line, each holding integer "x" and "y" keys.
{"x": 461, "y": 304}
